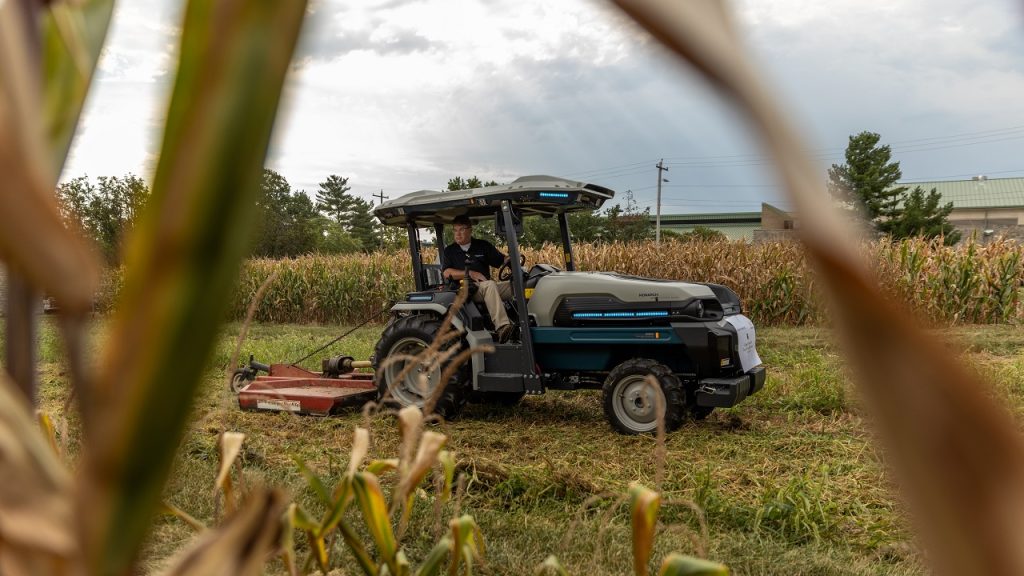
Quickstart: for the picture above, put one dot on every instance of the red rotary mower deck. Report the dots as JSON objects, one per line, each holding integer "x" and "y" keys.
{"x": 292, "y": 389}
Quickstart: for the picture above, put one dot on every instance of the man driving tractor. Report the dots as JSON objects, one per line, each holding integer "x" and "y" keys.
{"x": 476, "y": 257}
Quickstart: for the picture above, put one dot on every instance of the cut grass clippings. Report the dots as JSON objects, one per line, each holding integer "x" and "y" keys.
{"x": 787, "y": 483}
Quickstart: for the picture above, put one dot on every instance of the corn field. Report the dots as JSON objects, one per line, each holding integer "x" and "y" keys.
{"x": 966, "y": 284}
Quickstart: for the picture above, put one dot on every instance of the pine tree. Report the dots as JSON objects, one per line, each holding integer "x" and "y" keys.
{"x": 350, "y": 212}
{"x": 922, "y": 216}
{"x": 868, "y": 179}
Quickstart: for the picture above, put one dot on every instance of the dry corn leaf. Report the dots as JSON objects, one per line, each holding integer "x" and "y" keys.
{"x": 958, "y": 456}
{"x": 643, "y": 504}
{"x": 241, "y": 545}
{"x": 230, "y": 448}
{"x": 360, "y": 446}
{"x": 37, "y": 523}
{"x": 33, "y": 238}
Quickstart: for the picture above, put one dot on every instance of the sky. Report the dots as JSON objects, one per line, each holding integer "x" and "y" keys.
{"x": 402, "y": 96}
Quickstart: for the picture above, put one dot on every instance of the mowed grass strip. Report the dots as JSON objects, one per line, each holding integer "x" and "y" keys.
{"x": 787, "y": 483}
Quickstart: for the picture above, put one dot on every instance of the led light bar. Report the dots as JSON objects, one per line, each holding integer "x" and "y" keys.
{"x": 562, "y": 195}
{"x": 420, "y": 298}
{"x": 622, "y": 314}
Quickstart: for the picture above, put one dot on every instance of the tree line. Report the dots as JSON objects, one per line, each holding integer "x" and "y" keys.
{"x": 332, "y": 220}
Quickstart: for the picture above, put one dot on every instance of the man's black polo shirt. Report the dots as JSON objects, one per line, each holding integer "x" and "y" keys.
{"x": 482, "y": 255}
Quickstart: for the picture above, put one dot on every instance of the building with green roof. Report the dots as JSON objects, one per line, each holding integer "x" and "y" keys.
{"x": 982, "y": 207}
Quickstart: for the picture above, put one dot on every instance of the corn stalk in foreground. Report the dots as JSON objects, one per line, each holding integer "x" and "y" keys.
{"x": 181, "y": 264}
{"x": 958, "y": 456}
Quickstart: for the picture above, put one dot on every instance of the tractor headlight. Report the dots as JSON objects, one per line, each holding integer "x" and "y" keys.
{"x": 694, "y": 309}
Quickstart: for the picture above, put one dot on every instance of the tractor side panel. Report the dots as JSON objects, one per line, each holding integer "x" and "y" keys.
{"x": 580, "y": 349}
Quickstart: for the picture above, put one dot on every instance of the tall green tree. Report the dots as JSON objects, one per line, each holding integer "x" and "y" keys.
{"x": 289, "y": 223}
{"x": 351, "y": 214}
{"x": 868, "y": 179}
{"x": 105, "y": 212}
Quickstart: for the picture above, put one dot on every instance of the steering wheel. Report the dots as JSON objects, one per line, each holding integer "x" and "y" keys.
{"x": 505, "y": 272}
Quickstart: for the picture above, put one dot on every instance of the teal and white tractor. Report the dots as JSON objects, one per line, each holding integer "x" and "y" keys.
{"x": 576, "y": 329}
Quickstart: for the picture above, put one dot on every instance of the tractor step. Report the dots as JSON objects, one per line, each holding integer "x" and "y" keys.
{"x": 293, "y": 389}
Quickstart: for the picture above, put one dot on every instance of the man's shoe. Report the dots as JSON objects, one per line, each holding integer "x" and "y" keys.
{"x": 503, "y": 333}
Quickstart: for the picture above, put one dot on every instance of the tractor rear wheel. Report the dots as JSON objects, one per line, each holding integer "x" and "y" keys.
{"x": 630, "y": 403}
{"x": 402, "y": 343}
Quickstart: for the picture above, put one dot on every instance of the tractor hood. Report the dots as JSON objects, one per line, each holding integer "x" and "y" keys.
{"x": 559, "y": 296}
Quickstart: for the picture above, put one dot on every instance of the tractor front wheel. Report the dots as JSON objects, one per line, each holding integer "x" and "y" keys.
{"x": 630, "y": 402}
{"x": 406, "y": 377}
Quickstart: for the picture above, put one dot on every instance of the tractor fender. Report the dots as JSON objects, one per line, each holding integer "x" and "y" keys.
{"x": 429, "y": 307}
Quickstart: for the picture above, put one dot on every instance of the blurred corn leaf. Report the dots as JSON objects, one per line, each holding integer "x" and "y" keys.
{"x": 679, "y": 565}
{"x": 182, "y": 263}
{"x": 241, "y": 545}
{"x": 37, "y": 534}
{"x": 958, "y": 456}
{"x": 73, "y": 35}
{"x": 434, "y": 561}
{"x": 644, "y": 504}
{"x": 33, "y": 238}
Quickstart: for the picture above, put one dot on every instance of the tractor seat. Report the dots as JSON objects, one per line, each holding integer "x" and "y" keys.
{"x": 432, "y": 277}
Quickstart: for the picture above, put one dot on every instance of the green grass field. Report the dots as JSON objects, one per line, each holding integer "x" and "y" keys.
{"x": 787, "y": 483}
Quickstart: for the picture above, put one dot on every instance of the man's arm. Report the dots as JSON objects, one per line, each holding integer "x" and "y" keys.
{"x": 456, "y": 274}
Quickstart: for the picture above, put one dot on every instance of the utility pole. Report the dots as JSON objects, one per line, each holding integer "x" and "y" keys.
{"x": 657, "y": 219}
{"x": 381, "y": 197}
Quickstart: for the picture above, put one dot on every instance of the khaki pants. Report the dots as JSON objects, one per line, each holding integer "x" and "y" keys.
{"x": 491, "y": 293}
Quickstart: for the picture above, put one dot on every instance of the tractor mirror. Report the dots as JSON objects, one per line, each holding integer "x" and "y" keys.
{"x": 499, "y": 223}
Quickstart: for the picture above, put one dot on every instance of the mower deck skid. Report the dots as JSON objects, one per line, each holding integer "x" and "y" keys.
{"x": 293, "y": 389}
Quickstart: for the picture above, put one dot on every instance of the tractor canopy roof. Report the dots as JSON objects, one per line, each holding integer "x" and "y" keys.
{"x": 542, "y": 195}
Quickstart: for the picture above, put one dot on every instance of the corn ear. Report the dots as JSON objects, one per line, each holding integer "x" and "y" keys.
{"x": 644, "y": 504}
{"x": 679, "y": 565}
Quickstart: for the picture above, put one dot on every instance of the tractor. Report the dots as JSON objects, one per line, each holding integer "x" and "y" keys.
{"x": 574, "y": 329}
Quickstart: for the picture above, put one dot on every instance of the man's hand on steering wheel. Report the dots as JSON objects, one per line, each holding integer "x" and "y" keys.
{"x": 505, "y": 272}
